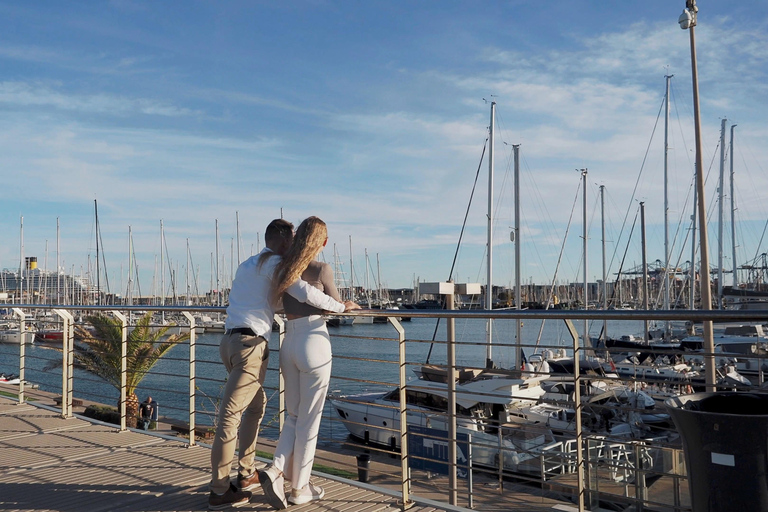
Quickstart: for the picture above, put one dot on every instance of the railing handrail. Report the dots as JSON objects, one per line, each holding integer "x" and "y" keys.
{"x": 695, "y": 315}
{"x": 392, "y": 315}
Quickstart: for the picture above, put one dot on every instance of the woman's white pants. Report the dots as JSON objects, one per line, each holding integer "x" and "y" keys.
{"x": 305, "y": 362}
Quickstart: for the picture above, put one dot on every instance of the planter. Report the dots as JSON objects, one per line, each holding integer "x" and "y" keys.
{"x": 725, "y": 441}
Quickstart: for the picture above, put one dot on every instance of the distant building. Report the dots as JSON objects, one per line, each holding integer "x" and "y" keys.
{"x": 36, "y": 286}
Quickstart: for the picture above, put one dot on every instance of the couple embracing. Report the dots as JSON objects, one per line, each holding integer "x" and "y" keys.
{"x": 284, "y": 272}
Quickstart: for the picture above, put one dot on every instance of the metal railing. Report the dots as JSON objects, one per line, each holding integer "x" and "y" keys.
{"x": 607, "y": 467}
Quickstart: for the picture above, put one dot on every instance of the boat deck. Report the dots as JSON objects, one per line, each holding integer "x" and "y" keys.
{"x": 51, "y": 463}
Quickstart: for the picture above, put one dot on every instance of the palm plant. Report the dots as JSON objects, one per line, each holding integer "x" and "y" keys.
{"x": 100, "y": 351}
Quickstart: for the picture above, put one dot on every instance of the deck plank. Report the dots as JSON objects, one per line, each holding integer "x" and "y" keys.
{"x": 49, "y": 463}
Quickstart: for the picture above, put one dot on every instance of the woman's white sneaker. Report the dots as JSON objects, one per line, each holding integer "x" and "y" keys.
{"x": 271, "y": 480}
{"x": 311, "y": 492}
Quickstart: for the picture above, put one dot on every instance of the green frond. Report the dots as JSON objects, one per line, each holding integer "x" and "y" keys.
{"x": 100, "y": 352}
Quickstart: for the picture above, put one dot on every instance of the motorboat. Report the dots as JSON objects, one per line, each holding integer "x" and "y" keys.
{"x": 484, "y": 398}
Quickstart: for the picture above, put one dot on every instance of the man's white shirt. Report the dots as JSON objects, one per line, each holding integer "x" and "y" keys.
{"x": 249, "y": 304}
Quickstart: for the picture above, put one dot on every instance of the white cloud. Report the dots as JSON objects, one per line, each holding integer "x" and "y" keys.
{"x": 20, "y": 94}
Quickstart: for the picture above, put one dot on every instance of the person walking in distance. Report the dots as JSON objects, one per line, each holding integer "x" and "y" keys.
{"x": 244, "y": 351}
{"x": 148, "y": 412}
{"x": 305, "y": 362}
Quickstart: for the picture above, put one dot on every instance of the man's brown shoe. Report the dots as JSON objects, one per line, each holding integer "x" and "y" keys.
{"x": 246, "y": 483}
{"x": 232, "y": 498}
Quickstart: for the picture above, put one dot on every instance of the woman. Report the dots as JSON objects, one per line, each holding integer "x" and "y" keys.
{"x": 305, "y": 362}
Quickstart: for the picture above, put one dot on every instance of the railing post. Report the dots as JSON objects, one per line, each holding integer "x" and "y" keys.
{"x": 22, "y": 350}
{"x": 470, "y": 477}
{"x": 404, "y": 469}
{"x": 67, "y": 349}
{"x": 453, "y": 482}
{"x": 281, "y": 381}
{"x": 578, "y": 406}
{"x": 123, "y": 369}
{"x": 641, "y": 492}
{"x": 192, "y": 387}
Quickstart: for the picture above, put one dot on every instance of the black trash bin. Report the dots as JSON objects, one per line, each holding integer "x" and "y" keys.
{"x": 725, "y": 441}
{"x": 363, "y": 463}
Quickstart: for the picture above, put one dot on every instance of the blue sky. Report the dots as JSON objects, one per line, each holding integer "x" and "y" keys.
{"x": 371, "y": 115}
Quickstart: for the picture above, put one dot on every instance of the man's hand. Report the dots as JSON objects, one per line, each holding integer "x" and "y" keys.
{"x": 349, "y": 305}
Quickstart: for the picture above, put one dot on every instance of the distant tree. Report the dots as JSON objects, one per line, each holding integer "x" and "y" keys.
{"x": 99, "y": 352}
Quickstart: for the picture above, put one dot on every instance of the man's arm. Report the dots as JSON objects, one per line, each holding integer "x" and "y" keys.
{"x": 305, "y": 292}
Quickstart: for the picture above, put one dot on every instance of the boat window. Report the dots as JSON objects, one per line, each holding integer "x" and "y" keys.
{"x": 426, "y": 400}
{"x": 393, "y": 396}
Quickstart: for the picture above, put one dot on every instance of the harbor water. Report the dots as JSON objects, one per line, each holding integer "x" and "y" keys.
{"x": 365, "y": 359}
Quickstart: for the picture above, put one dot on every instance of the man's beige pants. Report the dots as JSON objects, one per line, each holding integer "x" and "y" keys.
{"x": 245, "y": 358}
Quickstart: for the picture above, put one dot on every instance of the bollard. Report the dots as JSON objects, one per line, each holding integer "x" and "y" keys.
{"x": 363, "y": 463}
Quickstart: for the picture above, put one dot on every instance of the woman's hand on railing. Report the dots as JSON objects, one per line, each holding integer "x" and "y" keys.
{"x": 350, "y": 306}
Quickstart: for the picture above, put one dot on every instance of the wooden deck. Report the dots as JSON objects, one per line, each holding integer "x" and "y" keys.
{"x": 50, "y": 463}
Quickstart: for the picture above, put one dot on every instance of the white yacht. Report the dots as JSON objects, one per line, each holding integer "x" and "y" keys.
{"x": 483, "y": 401}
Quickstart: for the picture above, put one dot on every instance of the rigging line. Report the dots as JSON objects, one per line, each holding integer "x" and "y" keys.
{"x": 682, "y": 248}
{"x": 559, "y": 259}
{"x": 543, "y": 214}
{"x": 754, "y": 187}
{"x": 637, "y": 181}
{"x": 164, "y": 242}
{"x": 624, "y": 257}
{"x": 461, "y": 235}
{"x": 103, "y": 256}
{"x": 593, "y": 211}
{"x": 762, "y": 236}
{"x": 713, "y": 200}
{"x": 679, "y": 123}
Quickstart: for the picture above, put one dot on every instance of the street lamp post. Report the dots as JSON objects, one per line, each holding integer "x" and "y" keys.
{"x": 687, "y": 21}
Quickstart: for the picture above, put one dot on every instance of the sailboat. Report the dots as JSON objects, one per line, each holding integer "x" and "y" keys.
{"x": 338, "y": 320}
{"x": 485, "y": 397}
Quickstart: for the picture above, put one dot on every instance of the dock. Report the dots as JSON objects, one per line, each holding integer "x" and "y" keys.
{"x": 51, "y": 463}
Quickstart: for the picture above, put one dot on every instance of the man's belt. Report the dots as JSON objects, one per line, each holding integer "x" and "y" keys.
{"x": 241, "y": 330}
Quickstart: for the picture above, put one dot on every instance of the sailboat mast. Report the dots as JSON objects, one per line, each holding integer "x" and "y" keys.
{"x": 98, "y": 273}
{"x": 367, "y": 283}
{"x": 45, "y": 275}
{"x": 218, "y": 291}
{"x": 489, "y": 281}
{"x": 733, "y": 217}
{"x": 162, "y": 268}
{"x": 130, "y": 267}
{"x": 692, "y": 272}
{"x": 720, "y": 197}
{"x": 186, "y": 276}
{"x": 351, "y": 273}
{"x": 645, "y": 269}
{"x": 21, "y": 259}
{"x": 237, "y": 230}
{"x": 586, "y": 294}
{"x": 666, "y": 205}
{"x": 605, "y": 285}
{"x": 378, "y": 280}
{"x": 58, "y": 263}
{"x": 518, "y": 291}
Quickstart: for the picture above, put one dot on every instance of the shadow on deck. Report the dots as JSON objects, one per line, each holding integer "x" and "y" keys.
{"x": 51, "y": 463}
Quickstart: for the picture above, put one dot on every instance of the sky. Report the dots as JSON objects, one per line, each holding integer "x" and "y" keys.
{"x": 373, "y": 116}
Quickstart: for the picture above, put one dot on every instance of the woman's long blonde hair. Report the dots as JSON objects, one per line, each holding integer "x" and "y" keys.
{"x": 309, "y": 240}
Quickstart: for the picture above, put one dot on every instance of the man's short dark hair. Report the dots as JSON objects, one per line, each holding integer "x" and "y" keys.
{"x": 278, "y": 228}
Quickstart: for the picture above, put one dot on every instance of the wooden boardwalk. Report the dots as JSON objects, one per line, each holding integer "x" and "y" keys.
{"x": 48, "y": 463}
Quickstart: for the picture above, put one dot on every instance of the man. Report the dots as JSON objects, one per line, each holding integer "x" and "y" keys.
{"x": 147, "y": 411}
{"x": 244, "y": 351}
